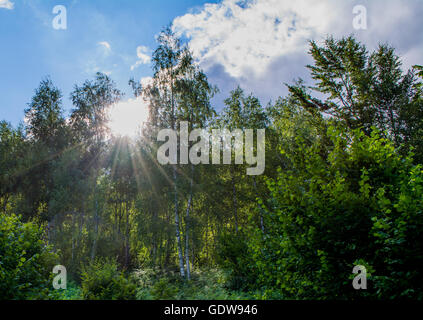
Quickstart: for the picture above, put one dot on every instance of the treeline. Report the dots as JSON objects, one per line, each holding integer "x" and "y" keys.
{"x": 343, "y": 184}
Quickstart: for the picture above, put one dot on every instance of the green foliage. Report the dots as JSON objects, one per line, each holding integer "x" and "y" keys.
{"x": 164, "y": 290}
{"x": 11, "y": 149}
{"x": 363, "y": 89}
{"x": 26, "y": 262}
{"x": 360, "y": 200}
{"x": 205, "y": 285}
{"x": 101, "y": 280}
{"x": 233, "y": 255}
{"x": 243, "y": 112}
{"x": 90, "y": 116}
{"x": 419, "y": 70}
{"x": 72, "y": 292}
{"x": 45, "y": 115}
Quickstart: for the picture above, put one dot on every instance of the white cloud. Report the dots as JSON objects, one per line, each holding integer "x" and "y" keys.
{"x": 251, "y": 35}
{"x": 106, "y": 45}
{"x": 143, "y": 54}
{"x": 260, "y": 44}
{"x": 146, "y": 81}
{"x": 6, "y": 4}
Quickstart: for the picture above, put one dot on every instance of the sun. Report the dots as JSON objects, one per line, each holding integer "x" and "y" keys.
{"x": 128, "y": 117}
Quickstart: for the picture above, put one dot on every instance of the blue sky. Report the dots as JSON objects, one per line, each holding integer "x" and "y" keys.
{"x": 31, "y": 48}
{"x": 258, "y": 44}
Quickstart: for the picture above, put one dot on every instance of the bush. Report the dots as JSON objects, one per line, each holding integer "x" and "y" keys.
{"x": 157, "y": 284}
{"x": 26, "y": 261}
{"x": 233, "y": 256}
{"x": 358, "y": 202}
{"x": 72, "y": 292}
{"x": 205, "y": 285}
{"x": 164, "y": 290}
{"x": 101, "y": 280}
{"x": 212, "y": 284}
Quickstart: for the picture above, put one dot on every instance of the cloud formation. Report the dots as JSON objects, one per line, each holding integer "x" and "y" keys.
{"x": 146, "y": 81}
{"x": 260, "y": 44}
{"x": 106, "y": 45}
{"x": 143, "y": 54}
{"x": 6, "y": 4}
{"x": 247, "y": 36}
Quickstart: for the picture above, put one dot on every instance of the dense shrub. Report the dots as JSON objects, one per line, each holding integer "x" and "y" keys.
{"x": 156, "y": 284}
{"x": 163, "y": 289}
{"x": 353, "y": 201}
{"x": 101, "y": 280}
{"x": 204, "y": 285}
{"x": 233, "y": 255}
{"x": 26, "y": 261}
{"x": 72, "y": 292}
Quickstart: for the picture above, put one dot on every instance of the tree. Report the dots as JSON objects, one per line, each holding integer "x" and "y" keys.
{"x": 194, "y": 97}
{"x": 167, "y": 67}
{"x": 46, "y": 138}
{"x": 26, "y": 260}
{"x": 44, "y": 117}
{"x": 241, "y": 113}
{"x": 89, "y": 122}
{"x": 180, "y": 92}
{"x": 361, "y": 89}
{"x": 12, "y": 146}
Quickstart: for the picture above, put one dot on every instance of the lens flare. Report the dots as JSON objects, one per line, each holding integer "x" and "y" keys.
{"x": 128, "y": 117}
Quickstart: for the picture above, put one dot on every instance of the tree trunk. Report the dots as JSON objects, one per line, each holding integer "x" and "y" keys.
{"x": 5, "y": 199}
{"x": 260, "y": 208}
{"x": 175, "y": 178}
{"x": 50, "y": 227}
{"x": 234, "y": 197}
{"x": 96, "y": 218}
{"x": 127, "y": 235}
{"x": 80, "y": 227}
{"x": 178, "y": 232}
{"x": 187, "y": 225}
{"x": 74, "y": 237}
